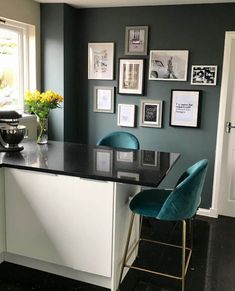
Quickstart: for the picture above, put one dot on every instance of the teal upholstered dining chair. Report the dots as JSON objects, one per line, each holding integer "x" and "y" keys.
{"x": 179, "y": 204}
{"x": 120, "y": 139}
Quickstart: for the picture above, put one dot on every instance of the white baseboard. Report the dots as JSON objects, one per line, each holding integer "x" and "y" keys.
{"x": 212, "y": 212}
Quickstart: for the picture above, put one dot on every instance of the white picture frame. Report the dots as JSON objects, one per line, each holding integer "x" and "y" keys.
{"x": 185, "y": 108}
{"x": 131, "y": 76}
{"x": 168, "y": 65}
{"x": 128, "y": 175}
{"x": 100, "y": 61}
{"x": 204, "y": 75}
{"x": 125, "y": 156}
{"x": 151, "y": 113}
{"x": 136, "y": 40}
{"x": 103, "y": 99}
{"x": 103, "y": 161}
{"x": 126, "y": 115}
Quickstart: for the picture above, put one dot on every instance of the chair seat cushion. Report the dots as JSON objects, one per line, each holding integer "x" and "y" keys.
{"x": 149, "y": 202}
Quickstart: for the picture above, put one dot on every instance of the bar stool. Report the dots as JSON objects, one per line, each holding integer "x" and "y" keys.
{"x": 179, "y": 204}
{"x": 120, "y": 139}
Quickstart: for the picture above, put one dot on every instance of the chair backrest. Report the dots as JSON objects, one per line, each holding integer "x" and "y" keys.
{"x": 120, "y": 139}
{"x": 184, "y": 200}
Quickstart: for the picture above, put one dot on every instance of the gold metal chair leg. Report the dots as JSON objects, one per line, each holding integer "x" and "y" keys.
{"x": 183, "y": 252}
{"x": 126, "y": 248}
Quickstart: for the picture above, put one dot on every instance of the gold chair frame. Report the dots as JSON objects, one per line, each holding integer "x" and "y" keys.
{"x": 184, "y": 261}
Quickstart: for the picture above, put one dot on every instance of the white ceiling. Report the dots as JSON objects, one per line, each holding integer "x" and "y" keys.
{"x": 122, "y": 3}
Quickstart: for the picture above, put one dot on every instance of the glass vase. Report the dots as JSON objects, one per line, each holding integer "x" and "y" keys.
{"x": 42, "y": 132}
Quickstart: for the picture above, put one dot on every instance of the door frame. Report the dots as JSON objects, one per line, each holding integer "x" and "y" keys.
{"x": 229, "y": 37}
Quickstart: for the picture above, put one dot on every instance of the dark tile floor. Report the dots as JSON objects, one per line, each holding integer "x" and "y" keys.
{"x": 212, "y": 268}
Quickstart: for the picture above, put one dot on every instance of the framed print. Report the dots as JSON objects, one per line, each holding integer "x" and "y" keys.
{"x": 103, "y": 99}
{"x": 185, "y": 108}
{"x": 136, "y": 40}
{"x": 127, "y": 157}
{"x": 149, "y": 158}
{"x": 168, "y": 65}
{"x": 100, "y": 61}
{"x": 103, "y": 161}
{"x": 128, "y": 175}
{"x": 126, "y": 115}
{"x": 151, "y": 113}
{"x": 131, "y": 76}
{"x": 204, "y": 75}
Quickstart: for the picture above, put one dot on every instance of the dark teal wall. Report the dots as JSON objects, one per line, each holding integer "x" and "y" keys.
{"x": 52, "y": 59}
{"x": 197, "y": 28}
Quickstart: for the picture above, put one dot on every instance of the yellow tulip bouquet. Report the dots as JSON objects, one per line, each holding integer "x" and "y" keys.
{"x": 41, "y": 104}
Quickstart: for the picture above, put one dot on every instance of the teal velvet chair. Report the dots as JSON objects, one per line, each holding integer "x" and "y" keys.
{"x": 179, "y": 204}
{"x": 120, "y": 139}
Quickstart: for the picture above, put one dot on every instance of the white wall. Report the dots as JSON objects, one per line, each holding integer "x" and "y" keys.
{"x": 26, "y": 11}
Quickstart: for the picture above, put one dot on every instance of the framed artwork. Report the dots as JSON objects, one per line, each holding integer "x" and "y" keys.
{"x": 103, "y": 99}
{"x": 131, "y": 76}
{"x": 149, "y": 158}
{"x": 128, "y": 175}
{"x": 126, "y": 115}
{"x": 127, "y": 157}
{"x": 100, "y": 61}
{"x": 151, "y": 113}
{"x": 204, "y": 75}
{"x": 185, "y": 108}
{"x": 136, "y": 40}
{"x": 103, "y": 161}
{"x": 168, "y": 65}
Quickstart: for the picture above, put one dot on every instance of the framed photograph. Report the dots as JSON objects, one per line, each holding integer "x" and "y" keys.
{"x": 168, "y": 65}
{"x": 204, "y": 75}
{"x": 128, "y": 175}
{"x": 185, "y": 108}
{"x": 149, "y": 158}
{"x": 131, "y": 76}
{"x": 151, "y": 113}
{"x": 126, "y": 115}
{"x": 126, "y": 157}
{"x": 103, "y": 161}
{"x": 136, "y": 40}
{"x": 100, "y": 61}
{"x": 103, "y": 99}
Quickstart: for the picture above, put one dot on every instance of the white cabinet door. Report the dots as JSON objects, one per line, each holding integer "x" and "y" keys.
{"x": 60, "y": 219}
{"x": 2, "y": 214}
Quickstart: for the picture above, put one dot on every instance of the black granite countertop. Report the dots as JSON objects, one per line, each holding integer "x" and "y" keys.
{"x": 141, "y": 167}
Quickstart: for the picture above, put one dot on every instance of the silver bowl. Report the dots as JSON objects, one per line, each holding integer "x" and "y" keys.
{"x": 12, "y": 135}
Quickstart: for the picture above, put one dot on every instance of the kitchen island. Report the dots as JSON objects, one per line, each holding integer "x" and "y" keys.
{"x": 64, "y": 206}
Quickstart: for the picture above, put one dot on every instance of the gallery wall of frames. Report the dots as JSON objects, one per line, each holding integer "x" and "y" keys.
{"x": 164, "y": 65}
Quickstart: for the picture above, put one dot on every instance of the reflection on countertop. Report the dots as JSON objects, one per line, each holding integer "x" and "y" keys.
{"x": 142, "y": 167}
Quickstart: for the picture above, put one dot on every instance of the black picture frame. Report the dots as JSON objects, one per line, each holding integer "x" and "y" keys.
{"x": 185, "y": 109}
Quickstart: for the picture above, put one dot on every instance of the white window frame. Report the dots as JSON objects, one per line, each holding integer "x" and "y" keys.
{"x": 27, "y": 60}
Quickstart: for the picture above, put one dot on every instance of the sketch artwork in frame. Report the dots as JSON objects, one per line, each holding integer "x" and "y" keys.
{"x": 126, "y": 115}
{"x": 204, "y": 75}
{"x": 103, "y": 99}
{"x": 151, "y": 113}
{"x": 136, "y": 40}
{"x": 100, "y": 61}
{"x": 185, "y": 106}
{"x": 169, "y": 65}
{"x": 131, "y": 76}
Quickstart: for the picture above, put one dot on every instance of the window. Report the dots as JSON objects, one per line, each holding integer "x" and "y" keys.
{"x": 17, "y": 63}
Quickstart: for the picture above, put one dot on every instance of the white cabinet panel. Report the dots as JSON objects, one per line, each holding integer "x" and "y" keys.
{"x": 60, "y": 219}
